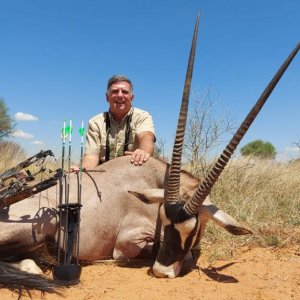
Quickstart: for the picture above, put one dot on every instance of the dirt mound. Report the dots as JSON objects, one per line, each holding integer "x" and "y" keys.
{"x": 254, "y": 274}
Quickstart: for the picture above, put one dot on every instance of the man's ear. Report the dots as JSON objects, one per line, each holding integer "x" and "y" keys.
{"x": 106, "y": 95}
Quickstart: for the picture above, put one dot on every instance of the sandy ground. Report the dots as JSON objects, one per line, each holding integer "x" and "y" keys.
{"x": 254, "y": 274}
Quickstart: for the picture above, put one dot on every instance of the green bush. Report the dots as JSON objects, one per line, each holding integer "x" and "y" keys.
{"x": 259, "y": 148}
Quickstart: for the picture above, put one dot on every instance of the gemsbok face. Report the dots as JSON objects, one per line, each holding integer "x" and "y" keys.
{"x": 180, "y": 234}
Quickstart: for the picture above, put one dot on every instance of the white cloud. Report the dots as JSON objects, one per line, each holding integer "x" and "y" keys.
{"x": 20, "y": 116}
{"x": 37, "y": 143}
{"x": 23, "y": 135}
{"x": 292, "y": 149}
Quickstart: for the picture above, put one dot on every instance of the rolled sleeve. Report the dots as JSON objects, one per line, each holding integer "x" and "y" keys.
{"x": 144, "y": 122}
{"x": 93, "y": 139}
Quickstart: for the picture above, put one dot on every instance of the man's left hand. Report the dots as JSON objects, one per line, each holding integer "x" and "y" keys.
{"x": 138, "y": 156}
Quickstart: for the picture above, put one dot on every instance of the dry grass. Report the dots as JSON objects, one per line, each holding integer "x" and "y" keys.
{"x": 262, "y": 195}
{"x": 11, "y": 155}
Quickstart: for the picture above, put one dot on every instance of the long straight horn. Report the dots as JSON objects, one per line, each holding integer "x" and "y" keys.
{"x": 194, "y": 204}
{"x": 172, "y": 192}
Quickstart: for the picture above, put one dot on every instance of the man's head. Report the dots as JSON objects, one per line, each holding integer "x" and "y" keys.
{"x": 117, "y": 78}
{"x": 119, "y": 95}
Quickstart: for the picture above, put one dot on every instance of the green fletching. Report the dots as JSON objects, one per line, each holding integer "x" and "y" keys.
{"x": 81, "y": 131}
{"x": 69, "y": 129}
{"x": 63, "y": 133}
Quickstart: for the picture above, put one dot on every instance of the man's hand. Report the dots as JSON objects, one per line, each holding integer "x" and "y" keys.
{"x": 138, "y": 156}
{"x": 89, "y": 162}
{"x": 74, "y": 169}
{"x": 146, "y": 148}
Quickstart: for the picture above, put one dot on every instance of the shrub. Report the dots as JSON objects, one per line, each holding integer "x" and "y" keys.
{"x": 260, "y": 149}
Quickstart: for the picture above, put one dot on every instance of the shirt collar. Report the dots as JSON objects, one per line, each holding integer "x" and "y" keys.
{"x": 111, "y": 117}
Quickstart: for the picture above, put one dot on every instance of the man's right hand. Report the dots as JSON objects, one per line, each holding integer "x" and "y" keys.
{"x": 74, "y": 169}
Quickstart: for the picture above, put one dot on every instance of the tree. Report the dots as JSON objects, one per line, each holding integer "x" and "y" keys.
{"x": 260, "y": 149}
{"x": 207, "y": 129}
{"x": 6, "y": 122}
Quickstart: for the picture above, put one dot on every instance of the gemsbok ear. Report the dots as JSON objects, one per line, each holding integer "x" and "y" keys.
{"x": 222, "y": 219}
{"x": 149, "y": 196}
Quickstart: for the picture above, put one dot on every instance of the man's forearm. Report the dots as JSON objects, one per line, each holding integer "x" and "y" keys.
{"x": 146, "y": 142}
{"x": 90, "y": 161}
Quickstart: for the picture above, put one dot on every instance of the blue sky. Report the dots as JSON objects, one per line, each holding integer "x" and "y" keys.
{"x": 56, "y": 57}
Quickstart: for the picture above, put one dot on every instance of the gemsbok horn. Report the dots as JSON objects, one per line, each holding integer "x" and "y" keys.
{"x": 193, "y": 205}
{"x": 172, "y": 193}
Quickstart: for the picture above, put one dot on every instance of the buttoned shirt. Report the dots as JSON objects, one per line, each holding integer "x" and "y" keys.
{"x": 96, "y": 135}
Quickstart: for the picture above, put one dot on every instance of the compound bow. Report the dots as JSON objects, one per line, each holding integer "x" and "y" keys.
{"x": 15, "y": 183}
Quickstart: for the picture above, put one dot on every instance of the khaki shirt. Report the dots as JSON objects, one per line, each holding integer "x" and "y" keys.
{"x": 96, "y": 135}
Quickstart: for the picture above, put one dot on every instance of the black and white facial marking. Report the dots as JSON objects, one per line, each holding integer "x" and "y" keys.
{"x": 180, "y": 233}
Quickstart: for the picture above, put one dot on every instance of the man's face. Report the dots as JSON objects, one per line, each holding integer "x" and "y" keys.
{"x": 119, "y": 96}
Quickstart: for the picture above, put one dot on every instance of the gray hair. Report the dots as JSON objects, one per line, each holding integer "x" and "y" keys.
{"x": 117, "y": 78}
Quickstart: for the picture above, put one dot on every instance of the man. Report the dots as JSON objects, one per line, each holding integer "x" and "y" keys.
{"x": 123, "y": 130}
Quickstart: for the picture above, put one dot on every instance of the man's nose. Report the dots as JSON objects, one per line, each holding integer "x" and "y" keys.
{"x": 120, "y": 93}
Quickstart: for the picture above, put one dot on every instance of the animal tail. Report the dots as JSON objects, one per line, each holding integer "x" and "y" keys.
{"x": 16, "y": 280}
